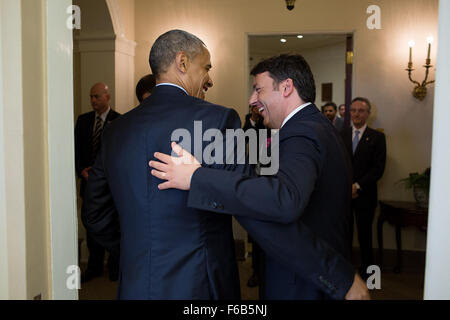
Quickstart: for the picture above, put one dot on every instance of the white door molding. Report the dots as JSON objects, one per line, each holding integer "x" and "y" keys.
{"x": 437, "y": 275}
{"x": 13, "y": 268}
{"x": 62, "y": 190}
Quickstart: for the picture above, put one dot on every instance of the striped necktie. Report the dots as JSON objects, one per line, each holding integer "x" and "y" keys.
{"x": 96, "y": 136}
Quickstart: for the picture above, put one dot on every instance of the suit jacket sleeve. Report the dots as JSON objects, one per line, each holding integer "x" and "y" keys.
{"x": 300, "y": 250}
{"x": 376, "y": 170}
{"x": 281, "y": 198}
{"x": 98, "y": 212}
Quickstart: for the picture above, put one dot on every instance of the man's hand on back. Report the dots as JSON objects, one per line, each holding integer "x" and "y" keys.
{"x": 177, "y": 171}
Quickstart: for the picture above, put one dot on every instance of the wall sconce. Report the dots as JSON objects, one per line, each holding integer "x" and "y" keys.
{"x": 290, "y": 4}
{"x": 420, "y": 90}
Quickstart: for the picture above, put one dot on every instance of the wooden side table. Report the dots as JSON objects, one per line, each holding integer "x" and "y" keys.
{"x": 399, "y": 214}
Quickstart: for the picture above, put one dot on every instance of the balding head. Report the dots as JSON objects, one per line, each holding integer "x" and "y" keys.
{"x": 100, "y": 97}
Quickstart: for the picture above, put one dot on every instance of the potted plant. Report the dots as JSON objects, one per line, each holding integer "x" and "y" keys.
{"x": 420, "y": 183}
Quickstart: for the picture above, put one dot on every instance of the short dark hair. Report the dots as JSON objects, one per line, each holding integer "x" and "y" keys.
{"x": 146, "y": 84}
{"x": 365, "y": 100}
{"x": 166, "y": 47}
{"x": 328, "y": 104}
{"x": 292, "y": 66}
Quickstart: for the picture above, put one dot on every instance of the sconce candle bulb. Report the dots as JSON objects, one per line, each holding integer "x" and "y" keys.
{"x": 430, "y": 41}
{"x": 290, "y": 4}
{"x": 411, "y": 44}
{"x": 420, "y": 91}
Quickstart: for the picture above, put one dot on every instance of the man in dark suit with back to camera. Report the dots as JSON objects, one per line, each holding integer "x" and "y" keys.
{"x": 168, "y": 251}
{"x": 367, "y": 148}
{"x": 88, "y": 133}
{"x": 301, "y": 216}
{"x": 145, "y": 86}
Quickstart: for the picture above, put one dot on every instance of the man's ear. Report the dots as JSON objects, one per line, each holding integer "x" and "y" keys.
{"x": 288, "y": 87}
{"x": 182, "y": 62}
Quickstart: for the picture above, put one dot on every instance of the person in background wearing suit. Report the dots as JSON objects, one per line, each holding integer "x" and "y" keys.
{"x": 367, "y": 148}
{"x": 329, "y": 110}
{"x": 301, "y": 216}
{"x": 168, "y": 251}
{"x": 88, "y": 133}
{"x": 144, "y": 87}
{"x": 341, "y": 111}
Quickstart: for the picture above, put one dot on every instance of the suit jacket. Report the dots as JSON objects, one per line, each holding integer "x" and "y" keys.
{"x": 168, "y": 251}
{"x": 84, "y": 129}
{"x": 300, "y": 217}
{"x": 368, "y": 162}
{"x": 339, "y": 124}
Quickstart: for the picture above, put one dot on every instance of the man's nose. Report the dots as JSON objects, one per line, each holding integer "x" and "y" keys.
{"x": 253, "y": 99}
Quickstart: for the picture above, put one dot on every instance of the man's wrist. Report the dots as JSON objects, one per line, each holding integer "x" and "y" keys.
{"x": 190, "y": 178}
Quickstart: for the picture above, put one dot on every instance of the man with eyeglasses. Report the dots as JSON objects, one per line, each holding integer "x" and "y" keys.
{"x": 367, "y": 149}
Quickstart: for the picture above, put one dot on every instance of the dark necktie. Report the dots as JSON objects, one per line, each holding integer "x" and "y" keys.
{"x": 96, "y": 136}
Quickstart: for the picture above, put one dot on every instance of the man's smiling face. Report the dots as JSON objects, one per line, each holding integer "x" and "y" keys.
{"x": 199, "y": 80}
{"x": 267, "y": 97}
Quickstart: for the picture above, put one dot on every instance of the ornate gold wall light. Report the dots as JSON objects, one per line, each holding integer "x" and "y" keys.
{"x": 420, "y": 90}
{"x": 290, "y": 4}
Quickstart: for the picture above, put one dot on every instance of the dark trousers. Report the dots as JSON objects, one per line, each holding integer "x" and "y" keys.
{"x": 97, "y": 256}
{"x": 256, "y": 258}
{"x": 364, "y": 221}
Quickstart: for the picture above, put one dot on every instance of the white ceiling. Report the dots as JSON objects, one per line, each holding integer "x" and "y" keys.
{"x": 272, "y": 45}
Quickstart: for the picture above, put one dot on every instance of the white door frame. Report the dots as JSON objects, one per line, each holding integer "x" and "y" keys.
{"x": 58, "y": 65}
{"x": 437, "y": 275}
{"x": 12, "y": 190}
{"x": 62, "y": 188}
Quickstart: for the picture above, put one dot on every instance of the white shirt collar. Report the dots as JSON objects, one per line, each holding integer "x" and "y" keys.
{"x": 104, "y": 114}
{"x": 294, "y": 112}
{"x": 361, "y": 130}
{"x": 173, "y": 85}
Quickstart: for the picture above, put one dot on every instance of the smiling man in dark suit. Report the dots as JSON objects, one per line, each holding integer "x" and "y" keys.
{"x": 367, "y": 148}
{"x": 88, "y": 133}
{"x": 168, "y": 251}
{"x": 301, "y": 216}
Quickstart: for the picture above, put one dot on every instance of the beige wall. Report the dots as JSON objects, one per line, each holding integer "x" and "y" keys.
{"x": 128, "y": 17}
{"x": 380, "y": 59}
{"x": 328, "y": 66}
{"x": 104, "y": 52}
{"x": 35, "y": 150}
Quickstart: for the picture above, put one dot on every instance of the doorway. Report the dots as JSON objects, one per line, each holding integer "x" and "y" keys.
{"x": 330, "y": 57}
